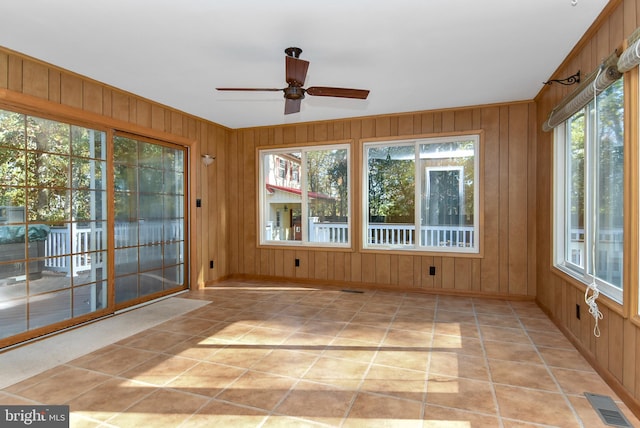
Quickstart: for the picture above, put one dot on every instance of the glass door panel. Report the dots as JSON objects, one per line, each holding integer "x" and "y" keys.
{"x": 149, "y": 219}
{"x": 53, "y": 214}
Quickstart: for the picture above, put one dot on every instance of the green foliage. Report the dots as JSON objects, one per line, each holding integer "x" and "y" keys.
{"x": 42, "y": 173}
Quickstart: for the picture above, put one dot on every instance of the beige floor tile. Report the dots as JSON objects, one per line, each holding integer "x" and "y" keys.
{"x": 258, "y": 389}
{"x": 156, "y": 340}
{"x": 407, "y": 339}
{"x": 241, "y": 356}
{"x": 578, "y": 382}
{"x": 187, "y": 325}
{"x": 518, "y": 352}
{"x": 117, "y": 360}
{"x": 63, "y": 387}
{"x": 197, "y": 347}
{"x": 219, "y": 414}
{"x": 412, "y": 359}
{"x": 363, "y": 333}
{"x": 442, "y": 417}
{"x": 498, "y": 320}
{"x": 460, "y": 393}
{"x": 372, "y": 319}
{"x": 564, "y": 358}
{"x": 525, "y": 375}
{"x": 396, "y": 382}
{"x": 502, "y": 334}
{"x": 457, "y": 329}
{"x": 550, "y": 339}
{"x": 371, "y": 410}
{"x": 285, "y": 362}
{"x": 109, "y": 398}
{"x": 411, "y": 323}
{"x": 538, "y": 324}
{"x": 449, "y": 315}
{"x": 207, "y": 379}
{"x": 350, "y": 349}
{"x": 458, "y": 365}
{"x": 339, "y": 372}
{"x": 305, "y": 342}
{"x": 541, "y": 407}
{"x": 312, "y": 401}
{"x": 458, "y": 344}
{"x": 159, "y": 370}
{"x": 163, "y": 408}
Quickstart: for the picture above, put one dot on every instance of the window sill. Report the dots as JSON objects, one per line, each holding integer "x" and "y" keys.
{"x": 571, "y": 279}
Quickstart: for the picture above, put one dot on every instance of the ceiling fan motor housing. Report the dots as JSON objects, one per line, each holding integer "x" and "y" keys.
{"x": 294, "y": 93}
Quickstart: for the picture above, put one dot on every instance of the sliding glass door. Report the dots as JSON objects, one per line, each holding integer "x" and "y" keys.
{"x": 73, "y": 248}
{"x": 149, "y": 181}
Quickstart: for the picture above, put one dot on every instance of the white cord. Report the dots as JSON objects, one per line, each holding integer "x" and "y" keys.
{"x": 591, "y": 299}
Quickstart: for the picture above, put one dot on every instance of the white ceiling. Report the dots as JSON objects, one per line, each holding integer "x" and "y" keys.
{"x": 411, "y": 54}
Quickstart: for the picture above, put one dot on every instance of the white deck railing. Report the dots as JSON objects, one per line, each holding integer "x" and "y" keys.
{"x": 388, "y": 234}
{"x": 75, "y": 249}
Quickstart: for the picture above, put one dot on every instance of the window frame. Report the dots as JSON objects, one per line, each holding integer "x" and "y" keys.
{"x": 473, "y": 251}
{"x": 561, "y": 228}
{"x": 299, "y": 172}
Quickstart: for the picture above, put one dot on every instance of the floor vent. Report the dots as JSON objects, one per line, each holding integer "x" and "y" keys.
{"x": 607, "y": 410}
{"x": 352, "y": 291}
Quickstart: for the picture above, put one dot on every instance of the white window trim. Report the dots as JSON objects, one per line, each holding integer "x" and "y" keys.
{"x": 560, "y": 216}
{"x": 416, "y": 247}
{"x": 263, "y": 203}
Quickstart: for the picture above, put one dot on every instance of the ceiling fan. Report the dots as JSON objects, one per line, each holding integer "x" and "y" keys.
{"x": 296, "y": 72}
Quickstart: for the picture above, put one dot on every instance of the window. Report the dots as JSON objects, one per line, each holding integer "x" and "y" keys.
{"x": 305, "y": 196}
{"x": 589, "y": 192}
{"x": 422, "y": 194}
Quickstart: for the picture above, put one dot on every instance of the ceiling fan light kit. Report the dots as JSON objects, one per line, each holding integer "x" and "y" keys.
{"x": 294, "y": 93}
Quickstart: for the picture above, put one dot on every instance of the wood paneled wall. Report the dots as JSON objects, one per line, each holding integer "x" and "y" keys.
{"x": 38, "y": 88}
{"x": 508, "y": 151}
{"x": 616, "y": 353}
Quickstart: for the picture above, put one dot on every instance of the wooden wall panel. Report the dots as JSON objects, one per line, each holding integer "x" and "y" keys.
{"x": 506, "y": 147}
{"x": 4, "y": 70}
{"x": 616, "y": 352}
{"x": 35, "y": 79}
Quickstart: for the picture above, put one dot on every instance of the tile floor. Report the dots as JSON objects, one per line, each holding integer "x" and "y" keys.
{"x": 268, "y": 355}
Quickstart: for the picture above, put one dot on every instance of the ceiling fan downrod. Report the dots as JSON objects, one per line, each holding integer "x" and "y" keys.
{"x": 293, "y": 52}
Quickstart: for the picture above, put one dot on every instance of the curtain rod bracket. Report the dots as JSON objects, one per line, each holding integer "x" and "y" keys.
{"x": 571, "y": 80}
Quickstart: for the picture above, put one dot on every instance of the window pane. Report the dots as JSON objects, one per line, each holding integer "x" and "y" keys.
{"x": 283, "y": 196}
{"x": 575, "y": 250}
{"x": 149, "y": 209}
{"x": 12, "y": 129}
{"x": 391, "y": 195}
{"x": 327, "y": 195}
{"x": 610, "y": 185}
{"x": 305, "y": 195}
{"x": 448, "y": 180}
{"x": 47, "y": 135}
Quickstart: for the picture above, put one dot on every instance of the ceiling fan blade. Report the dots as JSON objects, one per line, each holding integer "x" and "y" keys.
{"x": 325, "y": 91}
{"x": 296, "y": 70}
{"x": 249, "y": 89}
{"x": 292, "y": 106}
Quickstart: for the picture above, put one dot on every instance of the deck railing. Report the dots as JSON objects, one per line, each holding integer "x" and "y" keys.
{"x": 74, "y": 249}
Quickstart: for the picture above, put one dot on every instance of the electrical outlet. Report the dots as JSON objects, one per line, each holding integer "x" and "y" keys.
{"x": 432, "y": 270}
{"x": 210, "y": 264}
{"x": 198, "y": 203}
{"x": 297, "y": 262}
{"x": 577, "y": 311}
